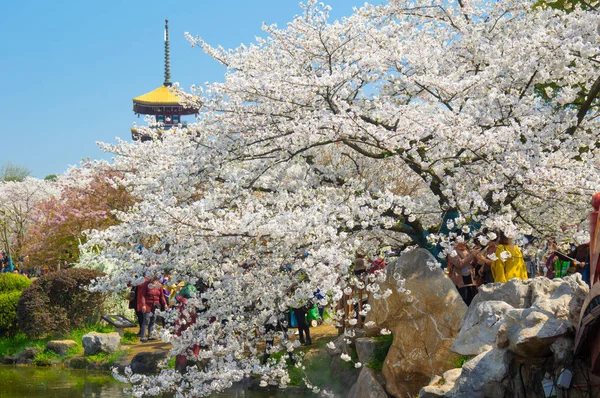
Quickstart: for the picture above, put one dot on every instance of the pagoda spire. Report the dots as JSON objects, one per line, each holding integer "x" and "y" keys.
{"x": 167, "y": 81}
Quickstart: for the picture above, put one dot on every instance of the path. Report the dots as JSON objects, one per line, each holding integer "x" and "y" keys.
{"x": 322, "y": 332}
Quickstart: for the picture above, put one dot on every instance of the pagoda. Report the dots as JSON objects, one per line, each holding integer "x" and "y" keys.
{"x": 161, "y": 103}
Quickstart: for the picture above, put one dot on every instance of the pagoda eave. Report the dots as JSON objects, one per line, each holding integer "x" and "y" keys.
{"x": 153, "y": 109}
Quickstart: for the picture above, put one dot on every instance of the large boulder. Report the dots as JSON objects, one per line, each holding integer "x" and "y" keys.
{"x": 541, "y": 310}
{"x": 77, "y": 363}
{"x": 61, "y": 347}
{"x": 424, "y": 323}
{"x": 26, "y": 356}
{"x": 147, "y": 362}
{"x": 530, "y": 333}
{"x": 480, "y": 327}
{"x": 94, "y": 343}
{"x": 483, "y": 376}
{"x": 367, "y": 386}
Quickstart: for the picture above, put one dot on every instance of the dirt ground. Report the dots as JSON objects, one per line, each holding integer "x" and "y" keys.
{"x": 320, "y": 336}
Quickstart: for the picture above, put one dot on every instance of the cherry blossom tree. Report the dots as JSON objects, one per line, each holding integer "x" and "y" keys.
{"x": 86, "y": 200}
{"x": 326, "y": 137}
{"x": 18, "y": 200}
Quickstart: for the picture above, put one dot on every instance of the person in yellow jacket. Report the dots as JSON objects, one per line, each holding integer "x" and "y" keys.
{"x": 509, "y": 266}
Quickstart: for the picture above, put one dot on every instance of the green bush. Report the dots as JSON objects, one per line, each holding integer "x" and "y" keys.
{"x": 11, "y": 282}
{"x": 8, "y": 310}
{"x": 11, "y": 286}
{"x": 56, "y": 303}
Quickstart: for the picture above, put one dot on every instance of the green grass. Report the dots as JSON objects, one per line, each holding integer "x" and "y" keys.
{"x": 103, "y": 357}
{"x": 461, "y": 360}
{"x": 45, "y": 358}
{"x": 129, "y": 338}
{"x": 171, "y": 364}
{"x": 77, "y": 334}
{"x": 75, "y": 351}
{"x": 13, "y": 345}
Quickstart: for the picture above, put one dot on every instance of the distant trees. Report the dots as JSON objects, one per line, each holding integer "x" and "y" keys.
{"x": 18, "y": 200}
{"x": 13, "y": 172}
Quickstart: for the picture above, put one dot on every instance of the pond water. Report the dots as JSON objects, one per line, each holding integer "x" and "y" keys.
{"x": 35, "y": 382}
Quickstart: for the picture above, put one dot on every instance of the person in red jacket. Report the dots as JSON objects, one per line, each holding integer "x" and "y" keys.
{"x": 150, "y": 298}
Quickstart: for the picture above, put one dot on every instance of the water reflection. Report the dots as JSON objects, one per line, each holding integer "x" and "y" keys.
{"x": 22, "y": 381}
{"x": 35, "y": 382}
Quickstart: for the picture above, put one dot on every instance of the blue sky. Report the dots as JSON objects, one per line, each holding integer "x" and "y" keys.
{"x": 70, "y": 68}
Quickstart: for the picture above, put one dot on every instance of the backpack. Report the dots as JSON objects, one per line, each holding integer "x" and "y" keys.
{"x": 188, "y": 290}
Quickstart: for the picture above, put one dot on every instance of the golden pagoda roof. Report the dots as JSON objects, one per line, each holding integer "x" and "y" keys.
{"x": 160, "y": 96}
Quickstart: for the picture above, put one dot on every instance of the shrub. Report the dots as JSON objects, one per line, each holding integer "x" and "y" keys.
{"x": 56, "y": 303}
{"x": 8, "y": 310}
{"x": 11, "y": 286}
{"x": 11, "y": 282}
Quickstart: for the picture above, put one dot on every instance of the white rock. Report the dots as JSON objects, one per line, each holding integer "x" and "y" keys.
{"x": 531, "y": 332}
{"x": 94, "y": 343}
{"x": 439, "y": 386}
{"x": 480, "y": 327}
{"x": 483, "y": 376}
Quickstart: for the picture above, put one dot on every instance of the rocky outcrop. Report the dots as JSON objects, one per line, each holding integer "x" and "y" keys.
{"x": 526, "y": 320}
{"x": 542, "y": 311}
{"x": 558, "y": 298}
{"x": 61, "y": 347}
{"x": 367, "y": 386}
{"x": 424, "y": 323}
{"x": 94, "y": 343}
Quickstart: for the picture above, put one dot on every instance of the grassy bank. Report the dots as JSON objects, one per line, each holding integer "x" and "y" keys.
{"x": 12, "y": 346}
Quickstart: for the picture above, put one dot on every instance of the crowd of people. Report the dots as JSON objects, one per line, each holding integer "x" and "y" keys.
{"x": 8, "y": 264}
{"x": 501, "y": 259}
